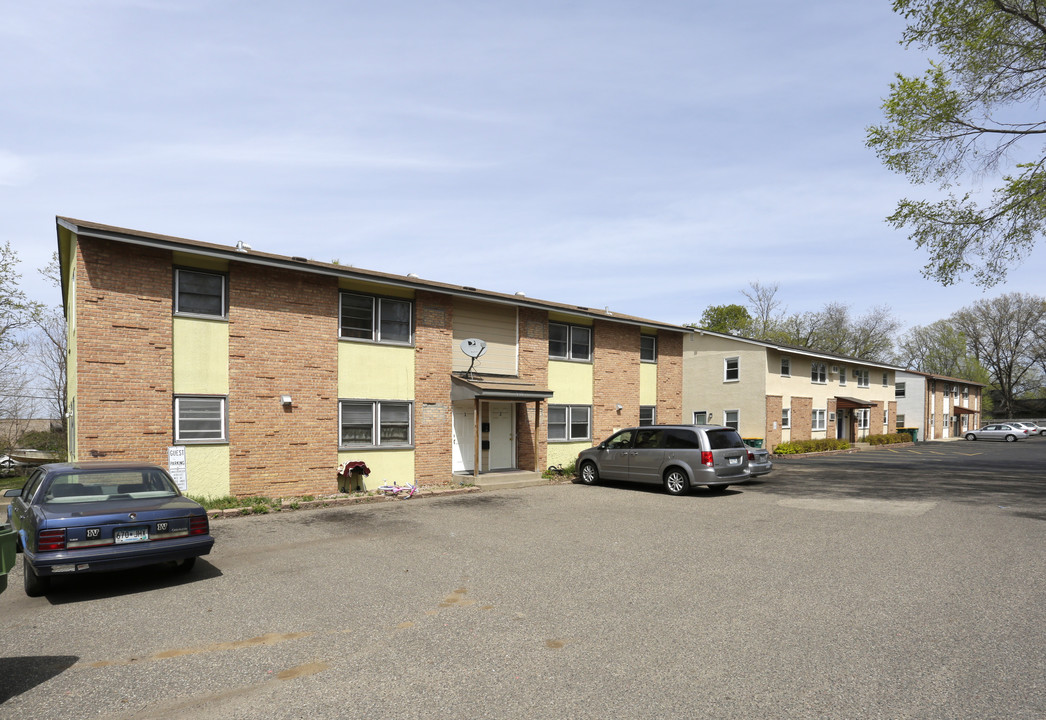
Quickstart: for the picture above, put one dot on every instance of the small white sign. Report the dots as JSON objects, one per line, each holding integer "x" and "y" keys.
{"x": 176, "y": 466}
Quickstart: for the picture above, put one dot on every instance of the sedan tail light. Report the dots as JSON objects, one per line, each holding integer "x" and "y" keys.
{"x": 198, "y": 525}
{"x": 706, "y": 458}
{"x": 751, "y": 456}
{"x": 50, "y": 540}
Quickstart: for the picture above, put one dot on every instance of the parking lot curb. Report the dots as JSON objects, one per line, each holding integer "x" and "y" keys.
{"x": 338, "y": 500}
{"x": 864, "y": 447}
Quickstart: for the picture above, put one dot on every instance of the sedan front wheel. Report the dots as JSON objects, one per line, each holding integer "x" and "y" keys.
{"x": 971, "y": 436}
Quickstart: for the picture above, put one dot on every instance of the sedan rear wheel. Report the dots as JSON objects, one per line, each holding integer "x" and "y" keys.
{"x": 589, "y": 474}
{"x": 186, "y": 565}
{"x": 971, "y": 436}
{"x": 1011, "y": 438}
{"x": 35, "y": 586}
{"x": 676, "y": 482}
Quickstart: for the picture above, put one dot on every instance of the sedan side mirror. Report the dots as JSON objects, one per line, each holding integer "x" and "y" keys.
{"x": 13, "y": 492}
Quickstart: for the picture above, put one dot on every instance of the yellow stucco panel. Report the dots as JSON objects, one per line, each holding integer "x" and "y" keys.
{"x": 386, "y": 466}
{"x": 374, "y": 371}
{"x": 207, "y": 470}
{"x": 648, "y": 384}
{"x": 201, "y": 356}
{"x": 565, "y": 453}
{"x": 571, "y": 382}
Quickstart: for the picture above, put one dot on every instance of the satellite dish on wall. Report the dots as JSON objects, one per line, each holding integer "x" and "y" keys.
{"x": 473, "y": 347}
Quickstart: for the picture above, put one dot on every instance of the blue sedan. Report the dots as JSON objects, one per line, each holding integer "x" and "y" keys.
{"x": 73, "y": 518}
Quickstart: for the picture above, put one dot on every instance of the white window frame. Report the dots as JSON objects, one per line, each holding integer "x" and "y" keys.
{"x": 178, "y": 276}
{"x": 786, "y": 418}
{"x": 736, "y": 360}
{"x": 900, "y": 420}
{"x": 377, "y": 310}
{"x": 842, "y": 376}
{"x": 376, "y": 424}
{"x": 701, "y": 412}
{"x": 818, "y": 373}
{"x": 864, "y": 377}
{"x": 735, "y": 423}
{"x": 863, "y": 418}
{"x": 573, "y": 415}
{"x": 886, "y": 379}
{"x": 786, "y": 367}
{"x": 819, "y": 414}
{"x": 572, "y": 330}
{"x": 183, "y": 436}
{"x": 900, "y": 389}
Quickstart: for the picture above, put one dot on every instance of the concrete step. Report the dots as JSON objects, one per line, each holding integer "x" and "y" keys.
{"x": 509, "y": 479}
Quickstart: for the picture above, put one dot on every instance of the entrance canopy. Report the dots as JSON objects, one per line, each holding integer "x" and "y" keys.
{"x": 496, "y": 388}
{"x": 963, "y": 411}
{"x": 849, "y": 403}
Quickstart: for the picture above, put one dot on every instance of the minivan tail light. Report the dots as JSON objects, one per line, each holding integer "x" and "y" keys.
{"x": 706, "y": 458}
{"x": 50, "y": 540}
{"x": 198, "y": 525}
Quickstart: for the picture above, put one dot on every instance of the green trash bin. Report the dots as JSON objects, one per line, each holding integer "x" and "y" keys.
{"x": 753, "y": 442}
{"x": 7, "y": 553}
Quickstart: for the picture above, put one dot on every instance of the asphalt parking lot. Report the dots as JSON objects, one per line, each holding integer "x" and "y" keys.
{"x": 904, "y": 583}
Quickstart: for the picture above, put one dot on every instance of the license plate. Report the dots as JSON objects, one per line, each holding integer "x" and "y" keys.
{"x": 734, "y": 461}
{"x": 130, "y": 535}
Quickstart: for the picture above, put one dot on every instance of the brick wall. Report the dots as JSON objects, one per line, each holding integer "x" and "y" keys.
{"x": 892, "y": 426}
{"x": 774, "y": 406}
{"x": 802, "y": 418}
{"x": 124, "y": 359}
{"x": 875, "y": 418}
{"x": 615, "y": 377}
{"x": 532, "y": 418}
{"x": 283, "y": 339}
{"x": 832, "y": 427}
{"x": 669, "y": 378}
{"x": 433, "y": 414}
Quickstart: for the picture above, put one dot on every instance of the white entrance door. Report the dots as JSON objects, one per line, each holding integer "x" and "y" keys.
{"x": 464, "y": 434}
{"x": 502, "y": 436}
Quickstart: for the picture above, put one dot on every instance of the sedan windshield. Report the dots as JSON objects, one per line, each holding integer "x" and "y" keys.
{"x": 77, "y": 487}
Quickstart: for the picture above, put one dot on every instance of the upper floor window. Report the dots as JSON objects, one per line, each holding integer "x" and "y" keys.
{"x": 569, "y": 342}
{"x": 863, "y": 377}
{"x": 199, "y": 419}
{"x": 200, "y": 293}
{"x": 786, "y": 366}
{"x": 385, "y": 320}
{"x": 818, "y": 372}
{"x": 842, "y": 375}
{"x": 886, "y": 379}
{"x": 731, "y": 369}
{"x": 899, "y": 390}
{"x": 648, "y": 348}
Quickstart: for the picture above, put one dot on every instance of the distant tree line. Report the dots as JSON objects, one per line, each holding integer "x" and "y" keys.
{"x": 1000, "y": 342}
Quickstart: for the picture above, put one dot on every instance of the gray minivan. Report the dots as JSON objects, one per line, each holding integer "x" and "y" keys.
{"x": 677, "y": 456}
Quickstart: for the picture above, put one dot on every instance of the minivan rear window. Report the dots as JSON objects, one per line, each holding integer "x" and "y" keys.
{"x": 680, "y": 439}
{"x": 724, "y": 439}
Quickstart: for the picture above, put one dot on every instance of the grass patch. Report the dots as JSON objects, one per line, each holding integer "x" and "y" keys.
{"x": 15, "y": 481}
{"x": 246, "y": 505}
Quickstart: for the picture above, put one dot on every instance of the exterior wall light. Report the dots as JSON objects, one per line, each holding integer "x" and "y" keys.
{"x": 285, "y": 399}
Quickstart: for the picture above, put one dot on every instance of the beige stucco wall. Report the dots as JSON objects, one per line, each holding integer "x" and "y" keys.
{"x": 704, "y": 387}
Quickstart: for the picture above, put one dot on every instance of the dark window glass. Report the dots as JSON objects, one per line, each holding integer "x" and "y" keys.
{"x": 647, "y": 415}
{"x": 648, "y": 439}
{"x": 557, "y": 423}
{"x": 357, "y": 423}
{"x": 357, "y": 316}
{"x": 724, "y": 439}
{"x": 395, "y": 423}
{"x": 557, "y": 340}
{"x": 620, "y": 441}
{"x": 395, "y": 321}
{"x": 578, "y": 423}
{"x": 580, "y": 343}
{"x": 648, "y": 348}
{"x": 200, "y": 293}
{"x": 681, "y": 439}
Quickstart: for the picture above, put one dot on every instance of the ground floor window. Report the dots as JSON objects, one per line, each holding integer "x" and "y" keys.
{"x": 647, "y": 415}
{"x": 900, "y": 421}
{"x": 569, "y": 422}
{"x": 199, "y": 419}
{"x": 818, "y": 420}
{"x": 700, "y": 417}
{"x": 732, "y": 418}
{"x": 862, "y": 419}
{"x": 380, "y": 423}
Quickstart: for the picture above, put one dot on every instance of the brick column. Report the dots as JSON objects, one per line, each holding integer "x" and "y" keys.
{"x": 670, "y": 378}
{"x": 615, "y": 377}
{"x": 532, "y": 417}
{"x": 433, "y": 413}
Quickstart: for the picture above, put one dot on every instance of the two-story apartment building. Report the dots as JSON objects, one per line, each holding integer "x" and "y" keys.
{"x": 268, "y": 373}
{"x": 780, "y": 393}
{"x": 938, "y": 406}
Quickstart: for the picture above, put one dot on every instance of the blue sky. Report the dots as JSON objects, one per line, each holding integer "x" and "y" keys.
{"x": 654, "y": 157}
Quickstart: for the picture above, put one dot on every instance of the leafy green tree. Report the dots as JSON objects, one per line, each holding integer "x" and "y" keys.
{"x": 941, "y": 349}
{"x": 1001, "y": 334}
{"x": 728, "y": 319}
{"x": 971, "y": 115}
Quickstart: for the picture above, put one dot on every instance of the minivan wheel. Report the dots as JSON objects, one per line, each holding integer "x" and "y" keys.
{"x": 676, "y": 482}
{"x": 35, "y": 586}
{"x": 589, "y": 474}
{"x": 718, "y": 488}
